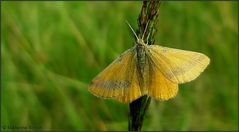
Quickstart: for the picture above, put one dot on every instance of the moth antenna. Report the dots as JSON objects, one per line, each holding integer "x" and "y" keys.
{"x": 132, "y": 30}
{"x": 145, "y": 29}
{"x": 148, "y": 38}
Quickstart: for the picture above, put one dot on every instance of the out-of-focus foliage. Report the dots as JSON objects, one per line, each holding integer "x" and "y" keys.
{"x": 50, "y": 51}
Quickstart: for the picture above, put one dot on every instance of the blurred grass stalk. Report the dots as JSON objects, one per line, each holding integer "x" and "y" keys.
{"x": 148, "y": 16}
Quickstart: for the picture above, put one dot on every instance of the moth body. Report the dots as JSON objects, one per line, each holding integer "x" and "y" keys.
{"x": 141, "y": 61}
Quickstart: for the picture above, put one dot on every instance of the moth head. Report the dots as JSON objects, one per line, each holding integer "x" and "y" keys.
{"x": 140, "y": 42}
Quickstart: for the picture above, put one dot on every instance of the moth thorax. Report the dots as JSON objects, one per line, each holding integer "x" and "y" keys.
{"x": 141, "y": 57}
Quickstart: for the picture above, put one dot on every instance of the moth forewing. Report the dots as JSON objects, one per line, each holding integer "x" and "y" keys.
{"x": 119, "y": 79}
{"x": 179, "y": 66}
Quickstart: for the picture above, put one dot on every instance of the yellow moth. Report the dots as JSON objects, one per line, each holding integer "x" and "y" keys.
{"x": 148, "y": 70}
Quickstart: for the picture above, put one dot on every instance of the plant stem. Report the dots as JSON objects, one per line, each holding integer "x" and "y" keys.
{"x": 148, "y": 15}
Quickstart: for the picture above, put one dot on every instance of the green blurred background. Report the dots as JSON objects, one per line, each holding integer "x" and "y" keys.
{"x": 50, "y": 51}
